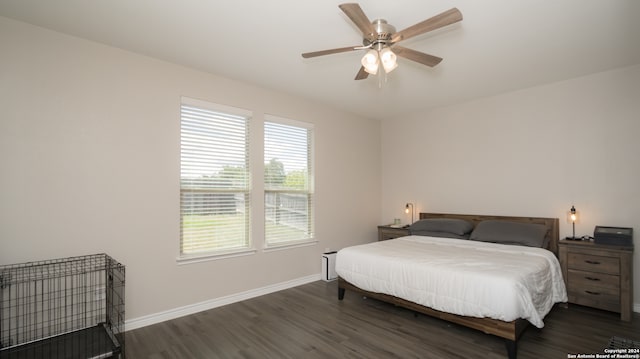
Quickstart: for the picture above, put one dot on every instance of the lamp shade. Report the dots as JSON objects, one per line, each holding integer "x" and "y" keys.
{"x": 388, "y": 59}
{"x": 370, "y": 62}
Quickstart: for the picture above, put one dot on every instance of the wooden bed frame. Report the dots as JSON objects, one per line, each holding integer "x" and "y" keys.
{"x": 510, "y": 331}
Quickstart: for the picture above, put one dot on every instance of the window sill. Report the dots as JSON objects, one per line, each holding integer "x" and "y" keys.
{"x": 290, "y": 245}
{"x": 197, "y": 258}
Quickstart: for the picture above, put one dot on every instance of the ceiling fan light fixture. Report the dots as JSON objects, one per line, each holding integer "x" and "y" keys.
{"x": 370, "y": 62}
{"x": 388, "y": 59}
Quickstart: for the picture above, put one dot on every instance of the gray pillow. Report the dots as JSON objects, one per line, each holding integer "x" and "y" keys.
{"x": 447, "y": 225}
{"x": 440, "y": 234}
{"x": 506, "y": 232}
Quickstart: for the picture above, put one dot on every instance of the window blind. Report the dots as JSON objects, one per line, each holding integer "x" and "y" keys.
{"x": 214, "y": 179}
{"x": 288, "y": 182}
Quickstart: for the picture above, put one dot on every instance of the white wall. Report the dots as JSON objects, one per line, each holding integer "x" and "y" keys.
{"x": 89, "y": 158}
{"x": 533, "y": 152}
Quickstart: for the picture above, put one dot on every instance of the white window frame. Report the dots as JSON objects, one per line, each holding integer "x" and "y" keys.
{"x": 246, "y": 192}
{"x": 309, "y": 237}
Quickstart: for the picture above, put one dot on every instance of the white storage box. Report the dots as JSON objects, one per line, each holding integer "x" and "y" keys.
{"x": 329, "y": 266}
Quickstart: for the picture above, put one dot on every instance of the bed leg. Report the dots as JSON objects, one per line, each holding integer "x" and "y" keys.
{"x": 512, "y": 348}
{"x": 340, "y": 293}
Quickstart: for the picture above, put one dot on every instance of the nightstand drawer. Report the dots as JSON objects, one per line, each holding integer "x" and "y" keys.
{"x": 603, "y": 298}
{"x": 593, "y": 263}
{"x": 387, "y": 232}
{"x": 582, "y": 279}
{"x": 391, "y": 234}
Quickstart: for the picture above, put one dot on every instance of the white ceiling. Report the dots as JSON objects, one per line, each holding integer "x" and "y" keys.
{"x": 500, "y": 46}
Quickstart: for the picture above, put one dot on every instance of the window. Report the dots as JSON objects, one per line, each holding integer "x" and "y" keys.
{"x": 288, "y": 182}
{"x": 214, "y": 179}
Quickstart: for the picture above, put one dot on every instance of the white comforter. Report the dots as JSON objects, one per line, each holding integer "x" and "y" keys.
{"x": 463, "y": 277}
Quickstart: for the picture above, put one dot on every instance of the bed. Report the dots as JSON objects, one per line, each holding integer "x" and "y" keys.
{"x": 443, "y": 274}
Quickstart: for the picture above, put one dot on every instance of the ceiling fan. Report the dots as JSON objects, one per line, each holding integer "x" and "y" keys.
{"x": 381, "y": 38}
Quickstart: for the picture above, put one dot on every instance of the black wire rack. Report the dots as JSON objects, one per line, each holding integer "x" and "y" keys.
{"x": 62, "y": 308}
{"x": 623, "y": 343}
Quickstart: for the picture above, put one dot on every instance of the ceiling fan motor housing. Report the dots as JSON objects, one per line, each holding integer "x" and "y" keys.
{"x": 382, "y": 35}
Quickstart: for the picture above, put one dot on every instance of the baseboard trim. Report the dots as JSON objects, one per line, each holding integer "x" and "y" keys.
{"x": 155, "y": 318}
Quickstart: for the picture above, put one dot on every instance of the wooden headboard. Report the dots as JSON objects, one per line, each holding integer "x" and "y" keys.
{"x": 553, "y": 233}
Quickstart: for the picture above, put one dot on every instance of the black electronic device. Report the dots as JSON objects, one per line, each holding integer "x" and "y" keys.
{"x": 619, "y": 236}
{"x": 573, "y": 238}
{"x": 583, "y": 238}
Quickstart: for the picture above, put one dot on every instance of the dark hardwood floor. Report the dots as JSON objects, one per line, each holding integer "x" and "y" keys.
{"x": 309, "y": 322}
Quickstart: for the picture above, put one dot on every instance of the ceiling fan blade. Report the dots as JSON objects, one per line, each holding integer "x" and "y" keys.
{"x": 443, "y": 19}
{"x": 307, "y": 55}
{"x": 355, "y": 13}
{"x": 362, "y": 74}
{"x": 417, "y": 56}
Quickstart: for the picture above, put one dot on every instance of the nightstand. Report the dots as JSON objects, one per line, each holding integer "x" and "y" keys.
{"x": 387, "y": 232}
{"x": 599, "y": 276}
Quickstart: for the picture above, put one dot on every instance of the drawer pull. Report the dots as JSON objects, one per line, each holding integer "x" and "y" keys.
{"x": 593, "y": 279}
{"x": 592, "y": 262}
{"x": 592, "y": 293}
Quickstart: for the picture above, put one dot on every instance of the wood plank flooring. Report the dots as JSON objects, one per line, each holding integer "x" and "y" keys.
{"x": 309, "y": 322}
